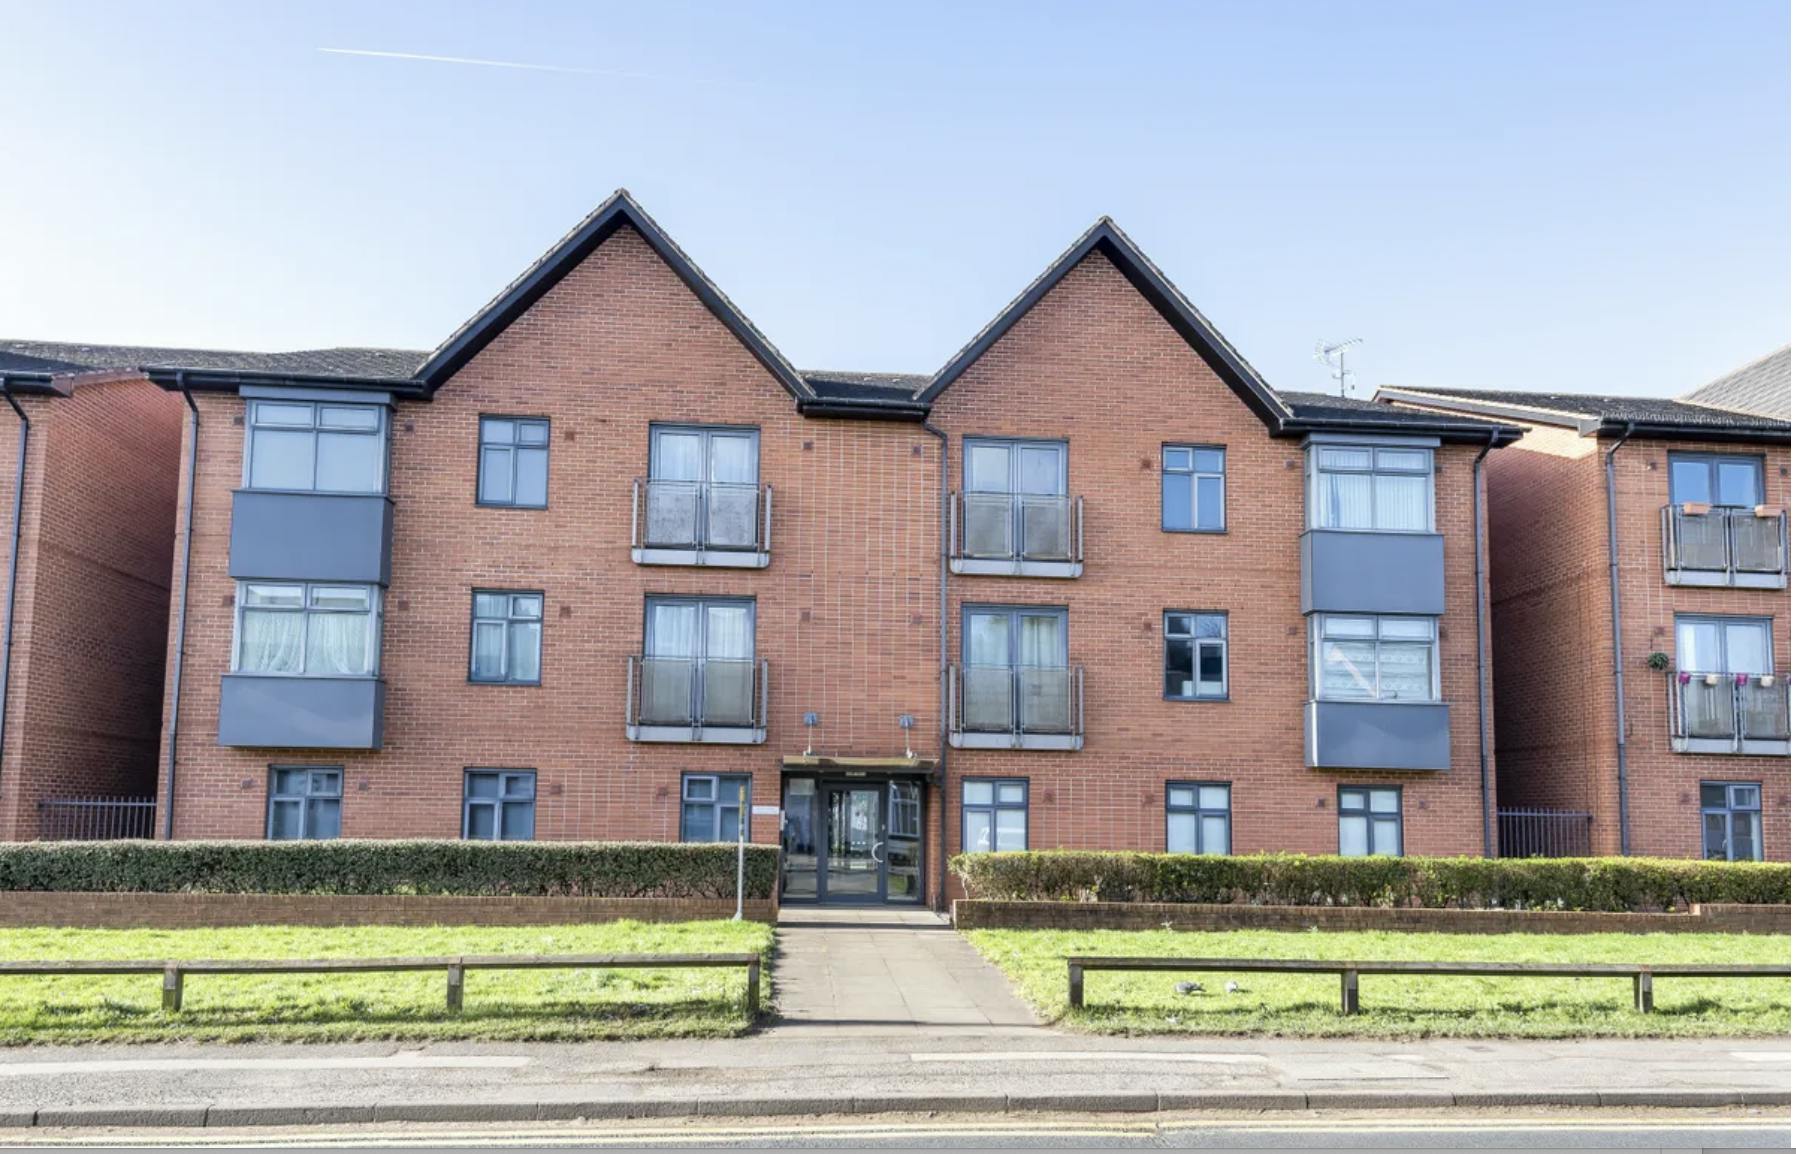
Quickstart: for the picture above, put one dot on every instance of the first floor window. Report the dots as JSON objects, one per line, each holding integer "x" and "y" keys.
{"x": 499, "y": 804}
{"x": 1375, "y": 658}
{"x": 514, "y": 462}
{"x": 1191, "y": 489}
{"x": 1197, "y": 817}
{"x": 508, "y": 637}
{"x": 1724, "y": 645}
{"x": 1731, "y": 821}
{"x": 304, "y": 802}
{"x": 1371, "y": 821}
{"x": 1196, "y": 655}
{"x": 994, "y": 815}
{"x": 306, "y": 446}
{"x": 711, "y": 806}
{"x": 1389, "y": 490}
{"x": 307, "y": 629}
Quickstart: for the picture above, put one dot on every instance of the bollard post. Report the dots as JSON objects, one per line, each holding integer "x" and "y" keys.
{"x": 754, "y": 989}
{"x": 1075, "y": 984}
{"x": 742, "y": 816}
{"x": 171, "y": 989}
{"x": 1643, "y": 991}
{"x": 452, "y": 994}
{"x": 1349, "y": 991}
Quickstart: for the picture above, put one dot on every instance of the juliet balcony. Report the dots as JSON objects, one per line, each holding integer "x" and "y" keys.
{"x": 1730, "y": 713}
{"x": 1016, "y": 707}
{"x": 704, "y": 523}
{"x": 1726, "y": 545}
{"x": 1016, "y": 535}
{"x": 696, "y": 700}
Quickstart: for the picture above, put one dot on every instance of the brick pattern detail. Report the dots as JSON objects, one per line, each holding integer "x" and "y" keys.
{"x": 200, "y": 911}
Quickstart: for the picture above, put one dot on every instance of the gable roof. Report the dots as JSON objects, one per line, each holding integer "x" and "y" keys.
{"x": 1593, "y": 414}
{"x": 618, "y": 210}
{"x": 1761, "y": 388}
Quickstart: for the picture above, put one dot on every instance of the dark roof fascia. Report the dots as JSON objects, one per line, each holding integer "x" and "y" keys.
{"x": 1452, "y": 431}
{"x": 1528, "y": 413}
{"x": 230, "y": 380}
{"x": 1663, "y": 431}
{"x": 600, "y": 225}
{"x": 32, "y": 384}
{"x": 865, "y": 410}
{"x": 1595, "y": 425}
{"x": 1107, "y": 238}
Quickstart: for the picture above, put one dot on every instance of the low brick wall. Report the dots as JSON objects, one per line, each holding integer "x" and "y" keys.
{"x": 998, "y": 915}
{"x": 189, "y": 911}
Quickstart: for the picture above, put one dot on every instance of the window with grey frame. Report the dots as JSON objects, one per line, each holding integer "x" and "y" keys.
{"x": 514, "y": 462}
{"x": 1370, "y": 488}
{"x": 1732, "y": 821}
{"x": 304, "y": 802}
{"x": 1375, "y": 658}
{"x": 507, "y": 643}
{"x": 704, "y": 487}
{"x": 698, "y": 664}
{"x": 1723, "y": 685}
{"x": 307, "y": 629}
{"x": 1192, "y": 489}
{"x": 1016, "y": 504}
{"x": 1196, "y": 655}
{"x": 1015, "y": 675}
{"x": 499, "y": 804}
{"x": 316, "y": 447}
{"x": 712, "y": 805}
{"x": 1729, "y": 479}
{"x": 1197, "y": 817}
{"x": 1371, "y": 821}
{"x": 994, "y": 814}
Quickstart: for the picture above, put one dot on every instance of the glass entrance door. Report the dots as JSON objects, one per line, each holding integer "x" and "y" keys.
{"x": 854, "y": 869}
{"x": 852, "y": 842}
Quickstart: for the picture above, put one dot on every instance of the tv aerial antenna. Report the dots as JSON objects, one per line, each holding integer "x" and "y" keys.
{"x": 1335, "y": 357}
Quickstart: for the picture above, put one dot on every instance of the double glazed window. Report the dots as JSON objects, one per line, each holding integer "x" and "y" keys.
{"x": 304, "y": 803}
{"x": 1016, "y": 677}
{"x": 1197, "y": 817}
{"x": 499, "y": 804}
{"x": 1375, "y": 658}
{"x": 711, "y": 806}
{"x": 1016, "y": 503}
{"x": 1191, "y": 489}
{"x": 1355, "y": 487}
{"x": 508, "y": 637}
{"x": 1196, "y": 655}
{"x": 1717, "y": 479}
{"x": 514, "y": 462}
{"x": 698, "y": 662}
{"x": 1371, "y": 822}
{"x": 307, "y": 629}
{"x": 1731, "y": 821}
{"x": 704, "y": 487}
{"x": 1724, "y": 645}
{"x": 316, "y": 447}
{"x": 994, "y": 815}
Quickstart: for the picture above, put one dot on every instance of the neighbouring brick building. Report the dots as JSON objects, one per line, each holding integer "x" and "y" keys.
{"x": 86, "y": 593}
{"x": 1701, "y": 491}
{"x": 605, "y": 562}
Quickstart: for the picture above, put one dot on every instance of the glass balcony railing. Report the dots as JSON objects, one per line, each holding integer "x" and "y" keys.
{"x": 700, "y": 523}
{"x": 697, "y": 699}
{"x": 1725, "y": 545}
{"x": 1730, "y": 713}
{"x": 1017, "y": 707}
{"x": 1017, "y": 534}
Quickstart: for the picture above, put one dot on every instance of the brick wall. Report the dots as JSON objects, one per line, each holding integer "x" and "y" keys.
{"x": 84, "y": 701}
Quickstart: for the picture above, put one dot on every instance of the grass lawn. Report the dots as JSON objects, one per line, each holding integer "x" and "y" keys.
{"x": 510, "y": 1004}
{"x": 1397, "y": 1006}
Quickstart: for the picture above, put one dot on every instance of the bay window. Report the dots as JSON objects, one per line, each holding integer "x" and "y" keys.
{"x": 1367, "y": 658}
{"x": 316, "y": 447}
{"x": 307, "y": 629}
{"x": 1366, "y": 487}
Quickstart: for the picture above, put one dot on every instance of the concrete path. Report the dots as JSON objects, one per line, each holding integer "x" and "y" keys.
{"x": 878, "y": 971}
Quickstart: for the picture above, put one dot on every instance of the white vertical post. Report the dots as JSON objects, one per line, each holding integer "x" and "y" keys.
{"x": 741, "y": 842}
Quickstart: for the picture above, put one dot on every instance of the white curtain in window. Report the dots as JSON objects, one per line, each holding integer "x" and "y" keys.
{"x": 678, "y": 456}
{"x": 1039, "y": 643}
{"x": 1699, "y": 647}
{"x": 1346, "y": 500}
{"x": 489, "y": 649}
{"x": 272, "y": 642}
{"x": 1406, "y": 670}
{"x": 526, "y": 651}
{"x": 732, "y": 459}
{"x": 1348, "y": 669}
{"x": 1402, "y": 503}
{"x": 1747, "y": 649}
{"x": 729, "y": 633}
{"x": 337, "y": 644}
{"x": 673, "y": 630}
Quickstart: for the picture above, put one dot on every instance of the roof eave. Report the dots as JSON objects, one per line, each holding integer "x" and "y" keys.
{"x": 1449, "y": 431}
{"x": 231, "y": 380}
{"x": 1671, "y": 431}
{"x": 32, "y": 384}
{"x": 865, "y": 410}
{"x": 1423, "y": 399}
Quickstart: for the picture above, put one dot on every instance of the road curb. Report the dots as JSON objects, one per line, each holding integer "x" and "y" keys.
{"x": 522, "y": 1110}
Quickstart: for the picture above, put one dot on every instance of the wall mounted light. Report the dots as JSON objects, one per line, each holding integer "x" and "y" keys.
{"x": 810, "y": 727}
{"x": 906, "y": 722}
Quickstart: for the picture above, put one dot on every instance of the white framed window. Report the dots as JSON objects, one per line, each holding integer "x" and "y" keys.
{"x": 1370, "y": 488}
{"x": 1192, "y": 494}
{"x": 1197, "y": 656}
{"x": 1371, "y": 820}
{"x": 1364, "y": 658}
{"x": 994, "y": 814}
{"x": 307, "y": 629}
{"x": 315, "y": 447}
{"x": 1197, "y": 817}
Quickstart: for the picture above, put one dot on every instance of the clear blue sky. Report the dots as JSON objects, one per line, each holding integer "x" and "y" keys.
{"x": 1528, "y": 194}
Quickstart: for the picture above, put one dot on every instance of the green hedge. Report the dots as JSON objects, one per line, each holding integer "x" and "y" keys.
{"x": 559, "y": 869}
{"x": 1604, "y": 884}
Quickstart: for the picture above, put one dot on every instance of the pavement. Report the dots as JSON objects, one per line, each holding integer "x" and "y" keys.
{"x": 877, "y": 1014}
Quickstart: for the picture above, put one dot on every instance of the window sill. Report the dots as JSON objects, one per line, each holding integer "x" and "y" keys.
{"x": 478, "y": 504}
{"x": 1222, "y": 700}
{"x": 697, "y": 734}
{"x": 701, "y": 558}
{"x": 973, "y": 740}
{"x": 1014, "y": 567}
{"x": 1222, "y": 532}
{"x": 537, "y": 684}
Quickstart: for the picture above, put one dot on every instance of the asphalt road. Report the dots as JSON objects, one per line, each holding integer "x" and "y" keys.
{"x": 1461, "y": 1129}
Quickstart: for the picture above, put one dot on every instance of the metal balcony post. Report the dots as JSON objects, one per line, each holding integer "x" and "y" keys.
{"x": 636, "y": 513}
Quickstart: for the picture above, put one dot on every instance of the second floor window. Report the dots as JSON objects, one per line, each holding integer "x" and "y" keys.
{"x": 704, "y": 487}
{"x": 316, "y": 447}
{"x": 514, "y": 462}
{"x": 1196, "y": 655}
{"x": 1375, "y": 658}
{"x": 508, "y": 637}
{"x": 304, "y": 803}
{"x": 698, "y": 661}
{"x": 1717, "y": 479}
{"x": 499, "y": 804}
{"x": 1724, "y": 645}
{"x": 306, "y": 629}
{"x": 1364, "y": 487}
{"x": 711, "y": 806}
{"x": 1191, "y": 496}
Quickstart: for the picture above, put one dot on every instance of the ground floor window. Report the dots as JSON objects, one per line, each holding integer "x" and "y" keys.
{"x": 304, "y": 802}
{"x": 1197, "y": 817}
{"x": 1371, "y": 821}
{"x": 711, "y": 806}
{"x": 994, "y": 814}
{"x": 1732, "y": 828}
{"x": 499, "y": 804}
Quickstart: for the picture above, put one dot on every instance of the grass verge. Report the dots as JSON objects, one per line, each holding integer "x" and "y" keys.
{"x": 1398, "y": 1006}
{"x": 499, "y": 1005}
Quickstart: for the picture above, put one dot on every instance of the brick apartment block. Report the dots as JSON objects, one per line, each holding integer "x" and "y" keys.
{"x": 1701, "y": 499}
{"x": 604, "y": 562}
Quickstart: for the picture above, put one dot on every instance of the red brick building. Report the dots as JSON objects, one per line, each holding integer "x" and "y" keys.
{"x": 606, "y": 565}
{"x": 1699, "y": 665}
{"x": 87, "y": 537}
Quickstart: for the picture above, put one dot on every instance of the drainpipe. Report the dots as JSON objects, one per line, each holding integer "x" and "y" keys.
{"x": 1478, "y": 623}
{"x": 941, "y": 763}
{"x": 12, "y": 565}
{"x": 174, "y": 709}
{"x": 1621, "y": 725}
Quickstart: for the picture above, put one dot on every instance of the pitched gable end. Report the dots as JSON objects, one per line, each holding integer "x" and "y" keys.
{"x": 618, "y": 210}
{"x": 1105, "y": 237}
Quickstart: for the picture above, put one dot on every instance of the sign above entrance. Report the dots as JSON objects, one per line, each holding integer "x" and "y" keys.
{"x": 895, "y": 764}
{"x": 766, "y": 810}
